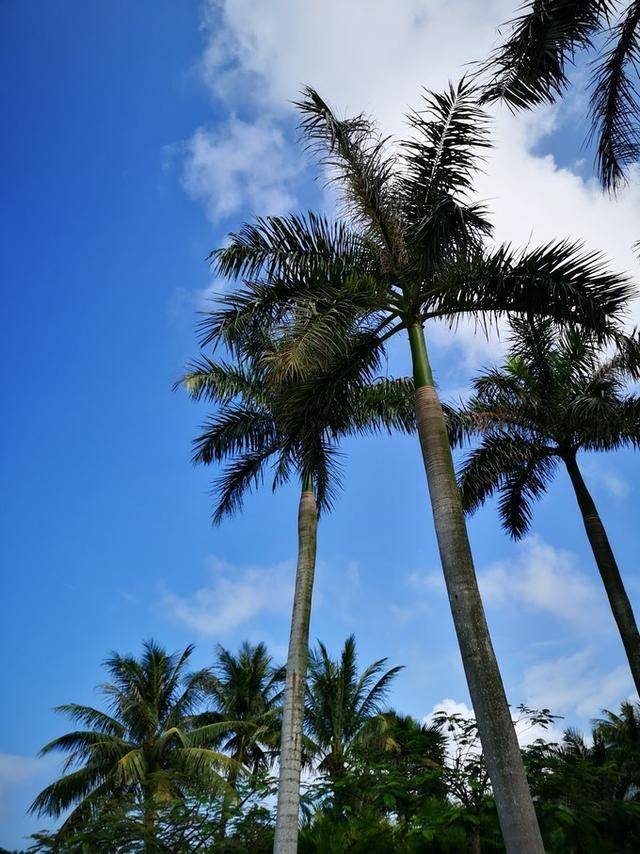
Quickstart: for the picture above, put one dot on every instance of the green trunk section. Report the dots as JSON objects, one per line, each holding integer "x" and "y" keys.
{"x": 422, "y": 375}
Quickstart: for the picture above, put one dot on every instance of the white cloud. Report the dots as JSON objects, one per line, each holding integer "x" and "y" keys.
{"x": 573, "y": 684}
{"x": 545, "y": 579}
{"x": 240, "y": 164}
{"x": 235, "y": 596}
{"x": 376, "y": 57}
{"x": 601, "y": 474}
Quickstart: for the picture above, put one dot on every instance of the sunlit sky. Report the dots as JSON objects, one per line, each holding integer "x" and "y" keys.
{"x": 136, "y": 135}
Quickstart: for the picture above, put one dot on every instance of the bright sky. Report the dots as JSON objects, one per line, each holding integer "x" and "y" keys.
{"x": 135, "y": 136}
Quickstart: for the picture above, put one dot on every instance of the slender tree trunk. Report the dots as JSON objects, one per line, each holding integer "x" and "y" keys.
{"x": 286, "y": 835}
{"x": 149, "y": 823}
{"x": 609, "y": 572}
{"x": 517, "y": 816}
{"x": 475, "y": 846}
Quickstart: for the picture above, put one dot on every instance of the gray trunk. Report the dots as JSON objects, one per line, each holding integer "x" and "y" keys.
{"x": 286, "y": 835}
{"x": 609, "y": 572}
{"x": 517, "y": 816}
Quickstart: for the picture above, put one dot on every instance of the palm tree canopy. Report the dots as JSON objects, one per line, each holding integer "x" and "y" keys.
{"x": 343, "y": 704}
{"x": 531, "y": 68}
{"x": 145, "y": 744}
{"x": 409, "y": 248}
{"x": 555, "y": 395}
{"x": 245, "y": 690}
{"x": 279, "y": 416}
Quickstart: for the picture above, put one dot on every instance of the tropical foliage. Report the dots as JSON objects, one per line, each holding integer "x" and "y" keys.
{"x": 144, "y": 747}
{"x": 556, "y": 396}
{"x": 410, "y": 249}
{"x": 532, "y": 67}
{"x": 377, "y": 780}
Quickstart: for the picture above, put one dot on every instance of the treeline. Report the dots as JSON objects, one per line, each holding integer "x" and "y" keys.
{"x": 182, "y": 761}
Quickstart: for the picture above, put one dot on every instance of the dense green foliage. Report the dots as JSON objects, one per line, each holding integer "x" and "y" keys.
{"x": 376, "y": 780}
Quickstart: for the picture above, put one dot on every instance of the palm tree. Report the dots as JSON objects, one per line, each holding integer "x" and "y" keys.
{"x": 343, "y": 706}
{"x": 245, "y": 692}
{"x": 409, "y": 251}
{"x": 144, "y": 747}
{"x": 266, "y": 417}
{"x": 531, "y": 68}
{"x": 554, "y": 397}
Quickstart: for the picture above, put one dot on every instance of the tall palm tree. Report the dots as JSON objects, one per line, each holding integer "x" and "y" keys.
{"x": 266, "y": 417}
{"x": 342, "y": 704}
{"x": 554, "y": 398}
{"x": 145, "y": 746}
{"x": 531, "y": 67}
{"x": 408, "y": 251}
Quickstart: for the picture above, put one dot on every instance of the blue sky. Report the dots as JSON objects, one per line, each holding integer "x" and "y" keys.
{"x": 136, "y": 136}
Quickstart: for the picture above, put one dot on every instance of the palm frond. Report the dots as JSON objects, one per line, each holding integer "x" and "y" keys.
{"x": 530, "y": 67}
{"x": 218, "y": 382}
{"x": 615, "y": 101}
{"x": 362, "y": 168}
{"x": 241, "y": 476}
{"x": 288, "y": 247}
{"x": 236, "y": 429}
{"x": 559, "y": 280}
{"x": 444, "y": 154}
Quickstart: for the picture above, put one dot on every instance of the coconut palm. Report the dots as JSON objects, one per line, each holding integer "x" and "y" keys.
{"x": 267, "y": 418}
{"x": 531, "y": 67}
{"x": 144, "y": 747}
{"x": 408, "y": 251}
{"x": 554, "y": 398}
{"x": 343, "y": 705}
{"x": 245, "y": 691}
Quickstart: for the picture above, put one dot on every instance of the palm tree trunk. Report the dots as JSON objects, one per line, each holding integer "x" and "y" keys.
{"x": 286, "y": 835}
{"x": 475, "y": 845}
{"x": 609, "y": 572}
{"x": 149, "y": 822}
{"x": 517, "y": 816}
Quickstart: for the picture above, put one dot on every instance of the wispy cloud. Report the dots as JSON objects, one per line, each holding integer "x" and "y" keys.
{"x": 544, "y": 579}
{"x": 575, "y": 684}
{"x": 239, "y": 165}
{"x": 233, "y": 597}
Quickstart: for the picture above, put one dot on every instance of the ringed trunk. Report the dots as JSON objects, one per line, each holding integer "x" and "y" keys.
{"x": 608, "y": 568}
{"x": 286, "y": 833}
{"x": 500, "y": 747}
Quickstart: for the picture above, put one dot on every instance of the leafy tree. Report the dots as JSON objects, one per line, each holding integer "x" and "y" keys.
{"x": 286, "y": 420}
{"x": 587, "y": 792}
{"x": 408, "y": 251}
{"x": 555, "y": 397}
{"x": 343, "y": 706}
{"x": 466, "y": 777}
{"x": 531, "y": 67}
{"x": 145, "y": 747}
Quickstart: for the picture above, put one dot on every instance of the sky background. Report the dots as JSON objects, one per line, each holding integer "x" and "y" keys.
{"x": 136, "y": 135}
